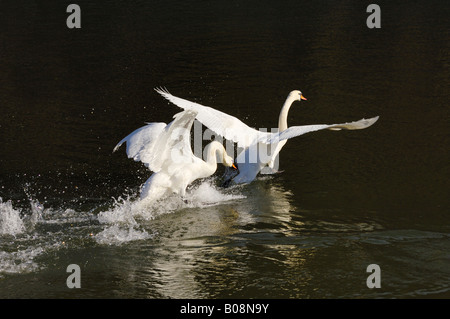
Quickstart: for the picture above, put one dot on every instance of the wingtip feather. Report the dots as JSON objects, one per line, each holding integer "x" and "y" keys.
{"x": 162, "y": 90}
{"x": 117, "y": 146}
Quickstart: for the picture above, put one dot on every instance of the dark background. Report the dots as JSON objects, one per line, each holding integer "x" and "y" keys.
{"x": 68, "y": 95}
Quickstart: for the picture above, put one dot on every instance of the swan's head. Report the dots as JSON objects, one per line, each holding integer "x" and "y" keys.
{"x": 228, "y": 161}
{"x": 297, "y": 95}
{"x": 216, "y": 149}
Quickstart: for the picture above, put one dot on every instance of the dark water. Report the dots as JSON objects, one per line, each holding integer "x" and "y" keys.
{"x": 344, "y": 201}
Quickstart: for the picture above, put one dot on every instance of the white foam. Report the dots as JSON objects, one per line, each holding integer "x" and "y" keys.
{"x": 123, "y": 218}
{"x": 206, "y": 194}
{"x": 126, "y": 221}
{"x": 10, "y": 221}
{"x": 115, "y": 234}
{"x": 126, "y": 210}
{"x": 21, "y": 261}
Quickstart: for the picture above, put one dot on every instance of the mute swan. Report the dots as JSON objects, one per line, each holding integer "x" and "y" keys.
{"x": 166, "y": 150}
{"x": 251, "y": 160}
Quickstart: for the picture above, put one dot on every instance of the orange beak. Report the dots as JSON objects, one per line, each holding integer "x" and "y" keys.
{"x": 234, "y": 166}
{"x": 303, "y": 98}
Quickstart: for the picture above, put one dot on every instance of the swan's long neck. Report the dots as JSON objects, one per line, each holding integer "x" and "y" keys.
{"x": 210, "y": 154}
{"x": 282, "y": 120}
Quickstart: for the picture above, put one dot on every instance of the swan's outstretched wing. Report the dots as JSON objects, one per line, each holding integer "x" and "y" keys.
{"x": 141, "y": 140}
{"x": 294, "y": 131}
{"x": 235, "y": 130}
{"x": 178, "y": 145}
{"x": 158, "y": 145}
{"x": 221, "y": 123}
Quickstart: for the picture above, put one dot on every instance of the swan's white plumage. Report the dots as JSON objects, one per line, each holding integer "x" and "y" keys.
{"x": 141, "y": 141}
{"x": 221, "y": 123}
{"x": 166, "y": 150}
{"x": 294, "y": 131}
{"x": 250, "y": 139}
{"x": 157, "y": 144}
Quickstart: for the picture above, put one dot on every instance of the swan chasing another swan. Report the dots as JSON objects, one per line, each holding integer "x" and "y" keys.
{"x": 166, "y": 150}
{"x": 250, "y": 160}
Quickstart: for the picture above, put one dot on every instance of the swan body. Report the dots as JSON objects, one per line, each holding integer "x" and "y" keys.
{"x": 251, "y": 160}
{"x": 166, "y": 150}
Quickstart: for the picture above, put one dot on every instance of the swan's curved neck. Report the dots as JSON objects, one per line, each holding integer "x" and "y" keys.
{"x": 282, "y": 120}
{"x": 211, "y": 152}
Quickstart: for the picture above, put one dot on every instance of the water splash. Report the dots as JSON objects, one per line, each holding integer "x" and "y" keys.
{"x": 116, "y": 235}
{"x": 123, "y": 219}
{"x": 127, "y": 210}
{"x": 13, "y": 224}
{"x": 21, "y": 261}
{"x": 10, "y": 221}
{"x": 29, "y": 232}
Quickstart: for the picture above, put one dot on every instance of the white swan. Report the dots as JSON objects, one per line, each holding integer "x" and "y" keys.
{"x": 253, "y": 159}
{"x": 166, "y": 150}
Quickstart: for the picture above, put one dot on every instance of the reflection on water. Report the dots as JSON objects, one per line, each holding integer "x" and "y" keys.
{"x": 259, "y": 243}
{"x": 223, "y": 252}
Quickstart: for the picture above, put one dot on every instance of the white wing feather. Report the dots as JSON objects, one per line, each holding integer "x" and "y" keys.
{"x": 141, "y": 140}
{"x": 175, "y": 142}
{"x": 221, "y": 123}
{"x": 294, "y": 131}
{"x": 235, "y": 130}
{"x": 157, "y": 144}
